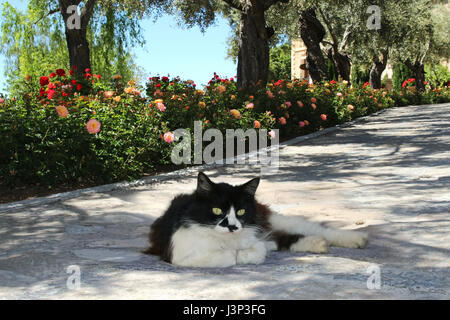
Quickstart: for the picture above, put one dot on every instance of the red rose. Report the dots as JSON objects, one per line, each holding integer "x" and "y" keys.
{"x": 43, "y": 81}
{"x": 87, "y": 70}
{"x": 60, "y": 72}
{"x": 51, "y": 94}
{"x": 74, "y": 82}
{"x": 41, "y": 92}
{"x": 79, "y": 87}
{"x": 52, "y": 75}
{"x": 71, "y": 72}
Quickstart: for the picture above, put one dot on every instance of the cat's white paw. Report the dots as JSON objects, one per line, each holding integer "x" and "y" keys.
{"x": 312, "y": 244}
{"x": 271, "y": 245}
{"x": 351, "y": 239}
{"x": 254, "y": 255}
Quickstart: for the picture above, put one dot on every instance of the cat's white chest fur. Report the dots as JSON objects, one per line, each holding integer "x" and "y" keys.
{"x": 198, "y": 246}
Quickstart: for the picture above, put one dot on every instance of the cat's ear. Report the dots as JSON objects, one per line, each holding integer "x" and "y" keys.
{"x": 204, "y": 185}
{"x": 251, "y": 186}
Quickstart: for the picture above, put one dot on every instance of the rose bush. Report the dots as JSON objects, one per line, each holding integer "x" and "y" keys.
{"x": 63, "y": 130}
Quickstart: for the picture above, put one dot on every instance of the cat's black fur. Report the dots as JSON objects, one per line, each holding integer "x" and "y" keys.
{"x": 195, "y": 208}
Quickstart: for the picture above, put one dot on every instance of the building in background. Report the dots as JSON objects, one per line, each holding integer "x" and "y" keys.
{"x": 298, "y": 60}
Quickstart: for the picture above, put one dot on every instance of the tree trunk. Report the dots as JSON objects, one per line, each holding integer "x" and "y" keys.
{"x": 79, "y": 54}
{"x": 76, "y": 33}
{"x": 342, "y": 62}
{"x": 375, "y": 75}
{"x": 377, "y": 69}
{"x": 418, "y": 69}
{"x": 312, "y": 33}
{"x": 253, "y": 57}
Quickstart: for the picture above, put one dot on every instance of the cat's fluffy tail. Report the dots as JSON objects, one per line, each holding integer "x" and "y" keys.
{"x": 296, "y": 225}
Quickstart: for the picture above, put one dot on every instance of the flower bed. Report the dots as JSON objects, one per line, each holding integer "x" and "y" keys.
{"x": 63, "y": 130}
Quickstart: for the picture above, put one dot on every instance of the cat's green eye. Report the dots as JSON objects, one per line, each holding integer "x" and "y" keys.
{"x": 241, "y": 212}
{"x": 217, "y": 211}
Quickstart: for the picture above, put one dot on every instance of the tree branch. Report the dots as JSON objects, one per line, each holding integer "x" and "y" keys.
{"x": 87, "y": 12}
{"x": 330, "y": 30}
{"x": 48, "y": 14}
{"x": 426, "y": 52}
{"x": 327, "y": 42}
{"x": 384, "y": 57}
{"x": 345, "y": 37}
{"x": 235, "y": 4}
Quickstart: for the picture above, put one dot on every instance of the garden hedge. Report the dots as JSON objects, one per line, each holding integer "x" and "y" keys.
{"x": 63, "y": 130}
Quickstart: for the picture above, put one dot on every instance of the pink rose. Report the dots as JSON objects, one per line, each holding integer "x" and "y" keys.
{"x": 161, "y": 107}
{"x": 169, "y": 137}
{"x": 62, "y": 111}
{"x": 93, "y": 126}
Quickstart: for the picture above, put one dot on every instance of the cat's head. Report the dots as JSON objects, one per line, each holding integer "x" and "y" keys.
{"x": 223, "y": 207}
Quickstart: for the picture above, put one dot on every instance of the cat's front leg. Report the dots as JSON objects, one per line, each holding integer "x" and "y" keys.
{"x": 313, "y": 244}
{"x": 256, "y": 254}
{"x": 211, "y": 259}
{"x": 346, "y": 238}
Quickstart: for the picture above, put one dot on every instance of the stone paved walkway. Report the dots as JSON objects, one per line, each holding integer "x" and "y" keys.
{"x": 389, "y": 175}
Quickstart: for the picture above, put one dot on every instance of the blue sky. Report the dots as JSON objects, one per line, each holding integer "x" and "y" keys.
{"x": 188, "y": 53}
{"x": 170, "y": 49}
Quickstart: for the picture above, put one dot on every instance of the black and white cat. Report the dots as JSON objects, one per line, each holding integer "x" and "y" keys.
{"x": 220, "y": 225}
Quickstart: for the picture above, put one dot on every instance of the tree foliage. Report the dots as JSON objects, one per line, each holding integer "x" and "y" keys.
{"x": 280, "y": 62}
{"x": 400, "y": 73}
{"x": 34, "y": 43}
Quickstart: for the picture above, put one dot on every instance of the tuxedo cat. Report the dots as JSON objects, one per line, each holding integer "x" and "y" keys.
{"x": 220, "y": 225}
